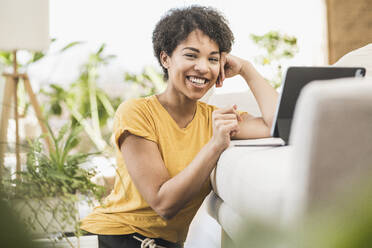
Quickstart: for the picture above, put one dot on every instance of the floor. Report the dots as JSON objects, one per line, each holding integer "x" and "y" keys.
{"x": 204, "y": 231}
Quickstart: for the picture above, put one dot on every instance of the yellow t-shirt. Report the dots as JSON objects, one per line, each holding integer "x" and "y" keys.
{"x": 125, "y": 210}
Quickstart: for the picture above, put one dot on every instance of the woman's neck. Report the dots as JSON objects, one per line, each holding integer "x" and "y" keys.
{"x": 181, "y": 108}
{"x": 177, "y": 101}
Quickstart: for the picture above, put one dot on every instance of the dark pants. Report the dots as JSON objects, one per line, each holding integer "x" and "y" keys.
{"x": 128, "y": 241}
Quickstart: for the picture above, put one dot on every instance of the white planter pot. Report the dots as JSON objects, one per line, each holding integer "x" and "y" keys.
{"x": 48, "y": 215}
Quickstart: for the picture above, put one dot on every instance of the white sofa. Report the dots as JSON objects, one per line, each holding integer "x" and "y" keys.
{"x": 330, "y": 146}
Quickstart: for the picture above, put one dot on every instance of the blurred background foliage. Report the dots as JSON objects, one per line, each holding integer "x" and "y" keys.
{"x": 46, "y": 194}
{"x": 276, "y": 47}
{"x": 75, "y": 112}
{"x": 83, "y": 101}
{"x": 149, "y": 80}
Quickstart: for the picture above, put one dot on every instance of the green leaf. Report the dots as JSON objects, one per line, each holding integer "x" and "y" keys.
{"x": 6, "y": 58}
{"x": 72, "y": 44}
{"x": 56, "y": 108}
{"x": 37, "y": 56}
{"x": 100, "y": 49}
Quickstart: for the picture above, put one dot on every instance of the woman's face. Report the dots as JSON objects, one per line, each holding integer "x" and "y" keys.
{"x": 194, "y": 65}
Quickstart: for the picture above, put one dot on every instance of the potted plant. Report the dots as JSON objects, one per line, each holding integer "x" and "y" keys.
{"x": 90, "y": 106}
{"x": 87, "y": 104}
{"x": 45, "y": 194}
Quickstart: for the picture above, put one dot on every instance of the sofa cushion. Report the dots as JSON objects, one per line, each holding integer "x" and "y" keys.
{"x": 360, "y": 57}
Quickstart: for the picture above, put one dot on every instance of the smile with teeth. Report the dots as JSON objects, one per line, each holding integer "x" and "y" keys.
{"x": 197, "y": 81}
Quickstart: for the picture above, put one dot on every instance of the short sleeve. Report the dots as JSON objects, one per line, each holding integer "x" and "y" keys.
{"x": 133, "y": 116}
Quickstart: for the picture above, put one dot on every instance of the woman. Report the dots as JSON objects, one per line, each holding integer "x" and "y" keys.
{"x": 168, "y": 144}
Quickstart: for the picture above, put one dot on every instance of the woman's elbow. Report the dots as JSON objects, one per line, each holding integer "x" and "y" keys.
{"x": 165, "y": 209}
{"x": 165, "y": 205}
{"x": 165, "y": 213}
{"x": 166, "y": 216}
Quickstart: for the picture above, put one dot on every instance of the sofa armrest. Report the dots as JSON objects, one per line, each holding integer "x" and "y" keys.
{"x": 257, "y": 182}
{"x": 331, "y": 136}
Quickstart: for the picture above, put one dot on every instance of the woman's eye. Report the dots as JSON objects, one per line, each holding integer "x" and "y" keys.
{"x": 214, "y": 59}
{"x": 190, "y": 55}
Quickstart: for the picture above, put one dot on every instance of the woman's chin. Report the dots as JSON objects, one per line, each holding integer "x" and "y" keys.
{"x": 203, "y": 96}
{"x": 198, "y": 93}
{"x": 194, "y": 97}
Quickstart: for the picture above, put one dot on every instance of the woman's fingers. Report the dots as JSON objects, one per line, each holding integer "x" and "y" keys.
{"x": 222, "y": 64}
{"x": 229, "y": 112}
{"x": 235, "y": 107}
{"x": 233, "y": 133}
{"x": 231, "y": 129}
{"x": 230, "y": 66}
{"x": 233, "y": 65}
{"x": 226, "y": 117}
{"x": 227, "y": 126}
{"x": 218, "y": 82}
{"x": 225, "y": 110}
{"x": 221, "y": 76}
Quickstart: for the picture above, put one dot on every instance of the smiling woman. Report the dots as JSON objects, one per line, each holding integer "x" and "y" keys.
{"x": 168, "y": 144}
{"x": 193, "y": 67}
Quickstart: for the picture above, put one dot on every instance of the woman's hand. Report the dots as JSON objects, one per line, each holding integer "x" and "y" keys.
{"x": 225, "y": 125}
{"x": 230, "y": 66}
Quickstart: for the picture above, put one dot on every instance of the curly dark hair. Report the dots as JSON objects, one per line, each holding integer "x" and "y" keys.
{"x": 178, "y": 23}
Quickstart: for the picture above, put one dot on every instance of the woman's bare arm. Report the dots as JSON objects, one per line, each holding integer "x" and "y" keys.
{"x": 168, "y": 195}
{"x": 265, "y": 95}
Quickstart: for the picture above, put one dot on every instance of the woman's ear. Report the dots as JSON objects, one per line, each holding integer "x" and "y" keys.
{"x": 164, "y": 58}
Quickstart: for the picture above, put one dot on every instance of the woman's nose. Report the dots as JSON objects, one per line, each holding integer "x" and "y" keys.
{"x": 201, "y": 66}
